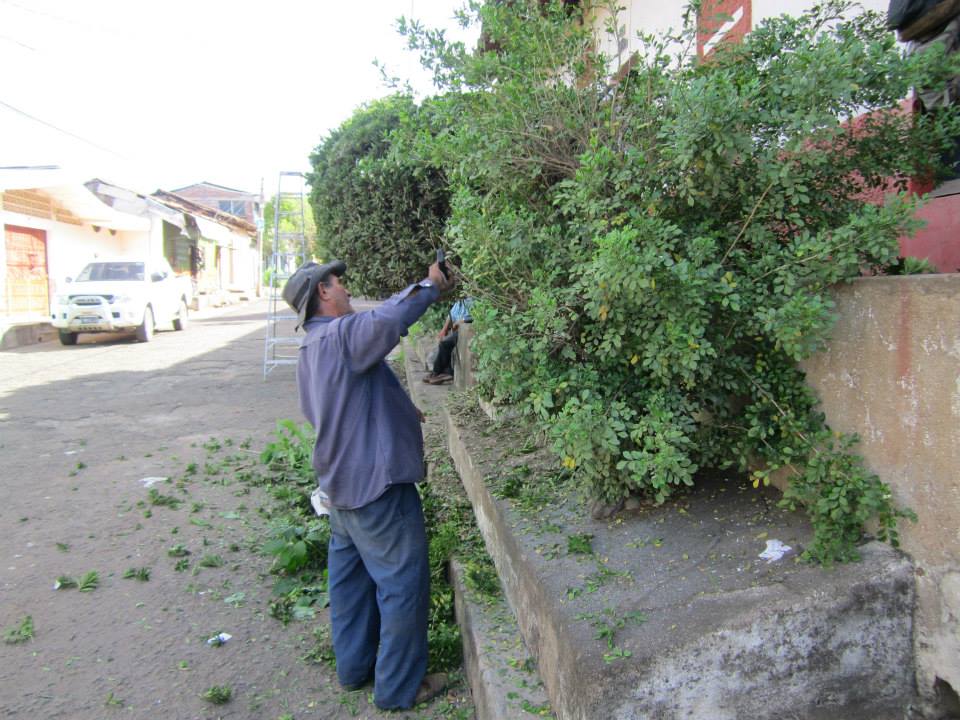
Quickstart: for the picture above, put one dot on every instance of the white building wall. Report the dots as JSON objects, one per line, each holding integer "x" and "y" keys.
{"x": 768, "y": 8}
{"x": 154, "y": 245}
{"x": 635, "y": 16}
{"x": 658, "y": 18}
{"x": 71, "y": 247}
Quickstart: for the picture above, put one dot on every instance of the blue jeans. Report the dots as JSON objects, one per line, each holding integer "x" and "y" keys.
{"x": 379, "y": 582}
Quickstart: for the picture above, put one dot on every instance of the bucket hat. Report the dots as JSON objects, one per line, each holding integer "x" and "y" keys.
{"x": 302, "y": 285}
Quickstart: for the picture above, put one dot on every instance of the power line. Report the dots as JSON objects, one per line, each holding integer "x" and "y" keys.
{"x": 64, "y": 20}
{"x": 17, "y": 42}
{"x": 65, "y": 132}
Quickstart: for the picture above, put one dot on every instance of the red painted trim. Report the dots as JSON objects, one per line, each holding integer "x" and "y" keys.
{"x": 708, "y": 21}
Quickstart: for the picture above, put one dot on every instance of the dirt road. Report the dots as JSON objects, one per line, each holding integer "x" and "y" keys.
{"x": 82, "y": 429}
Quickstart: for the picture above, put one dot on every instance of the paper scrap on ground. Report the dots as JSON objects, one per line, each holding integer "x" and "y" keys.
{"x": 150, "y": 481}
{"x": 219, "y": 639}
{"x": 774, "y": 551}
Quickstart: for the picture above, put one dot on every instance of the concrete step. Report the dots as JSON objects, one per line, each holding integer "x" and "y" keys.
{"x": 19, "y": 334}
{"x": 502, "y": 674}
{"x": 669, "y": 612}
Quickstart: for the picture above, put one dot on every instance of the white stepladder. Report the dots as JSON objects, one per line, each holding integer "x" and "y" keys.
{"x": 289, "y": 253}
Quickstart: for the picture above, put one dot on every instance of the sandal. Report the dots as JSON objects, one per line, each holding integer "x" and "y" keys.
{"x": 438, "y": 379}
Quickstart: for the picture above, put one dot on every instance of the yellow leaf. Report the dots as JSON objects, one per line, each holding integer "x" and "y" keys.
{"x": 635, "y": 359}
{"x": 603, "y": 312}
{"x": 569, "y": 462}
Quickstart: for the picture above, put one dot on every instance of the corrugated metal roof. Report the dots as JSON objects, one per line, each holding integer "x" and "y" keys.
{"x": 98, "y": 202}
{"x": 68, "y": 191}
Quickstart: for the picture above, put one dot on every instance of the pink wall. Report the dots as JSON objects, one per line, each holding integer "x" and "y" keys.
{"x": 939, "y": 241}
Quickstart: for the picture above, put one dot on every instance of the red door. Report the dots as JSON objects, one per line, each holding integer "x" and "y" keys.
{"x": 26, "y": 289}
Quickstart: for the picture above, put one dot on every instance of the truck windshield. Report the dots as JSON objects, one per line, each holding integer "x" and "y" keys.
{"x": 111, "y": 271}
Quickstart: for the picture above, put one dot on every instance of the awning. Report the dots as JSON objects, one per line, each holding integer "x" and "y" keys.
{"x": 82, "y": 204}
{"x": 127, "y": 201}
{"x": 218, "y": 233}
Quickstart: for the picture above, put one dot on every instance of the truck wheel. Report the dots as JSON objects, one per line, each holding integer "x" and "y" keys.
{"x": 145, "y": 331}
{"x": 68, "y": 338}
{"x": 180, "y": 321}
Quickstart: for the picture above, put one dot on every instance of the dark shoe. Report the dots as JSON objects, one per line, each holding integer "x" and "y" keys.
{"x": 438, "y": 379}
{"x": 431, "y": 686}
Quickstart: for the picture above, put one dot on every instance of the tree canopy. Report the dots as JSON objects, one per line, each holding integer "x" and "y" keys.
{"x": 653, "y": 254}
{"x": 380, "y": 211}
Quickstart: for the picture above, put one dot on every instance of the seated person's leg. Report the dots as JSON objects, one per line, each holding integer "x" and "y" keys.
{"x": 443, "y": 365}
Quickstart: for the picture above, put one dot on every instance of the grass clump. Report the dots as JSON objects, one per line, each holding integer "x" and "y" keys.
{"x": 19, "y": 633}
{"x": 218, "y": 694}
{"x": 142, "y": 574}
{"x": 178, "y": 551}
{"x": 89, "y": 581}
{"x": 159, "y": 499}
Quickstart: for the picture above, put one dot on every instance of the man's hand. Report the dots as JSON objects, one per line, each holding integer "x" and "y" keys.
{"x": 439, "y": 279}
{"x": 420, "y": 415}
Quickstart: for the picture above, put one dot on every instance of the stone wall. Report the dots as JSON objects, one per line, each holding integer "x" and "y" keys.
{"x": 891, "y": 374}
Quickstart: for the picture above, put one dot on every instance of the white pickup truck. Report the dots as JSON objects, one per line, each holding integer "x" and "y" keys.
{"x": 122, "y": 296}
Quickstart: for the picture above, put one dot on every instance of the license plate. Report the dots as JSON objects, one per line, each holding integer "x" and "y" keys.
{"x": 90, "y": 321}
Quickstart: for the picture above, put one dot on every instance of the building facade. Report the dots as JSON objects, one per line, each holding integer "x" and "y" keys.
{"x": 241, "y": 204}
{"x": 54, "y": 224}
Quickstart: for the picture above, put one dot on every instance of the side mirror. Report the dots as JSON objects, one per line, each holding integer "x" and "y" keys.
{"x": 157, "y": 277}
{"x": 69, "y": 279}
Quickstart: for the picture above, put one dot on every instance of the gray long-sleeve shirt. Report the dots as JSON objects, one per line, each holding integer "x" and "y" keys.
{"x": 368, "y": 430}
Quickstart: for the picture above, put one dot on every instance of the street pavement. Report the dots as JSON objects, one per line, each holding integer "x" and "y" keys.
{"x": 83, "y": 431}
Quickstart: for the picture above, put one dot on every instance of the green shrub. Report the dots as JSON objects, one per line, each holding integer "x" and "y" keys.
{"x": 296, "y": 547}
{"x": 289, "y": 457}
{"x": 382, "y": 213}
{"x": 653, "y": 257}
{"x": 298, "y": 540}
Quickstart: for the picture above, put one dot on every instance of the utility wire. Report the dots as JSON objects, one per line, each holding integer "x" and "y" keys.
{"x": 17, "y": 42}
{"x": 64, "y": 20}
{"x": 65, "y": 132}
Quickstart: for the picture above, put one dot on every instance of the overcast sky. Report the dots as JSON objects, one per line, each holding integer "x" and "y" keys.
{"x": 161, "y": 95}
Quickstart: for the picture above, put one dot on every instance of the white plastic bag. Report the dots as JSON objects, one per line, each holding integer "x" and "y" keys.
{"x": 319, "y": 501}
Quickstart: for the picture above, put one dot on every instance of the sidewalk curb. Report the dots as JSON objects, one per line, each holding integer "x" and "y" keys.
{"x": 22, "y": 334}
{"x": 499, "y": 668}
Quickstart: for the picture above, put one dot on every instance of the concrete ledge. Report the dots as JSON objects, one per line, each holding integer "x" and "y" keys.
{"x": 463, "y": 358}
{"x": 891, "y": 374}
{"x": 20, "y": 334}
{"x": 726, "y": 635}
{"x": 500, "y": 671}
{"x": 502, "y": 675}
{"x": 420, "y": 348}
{"x": 219, "y": 298}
